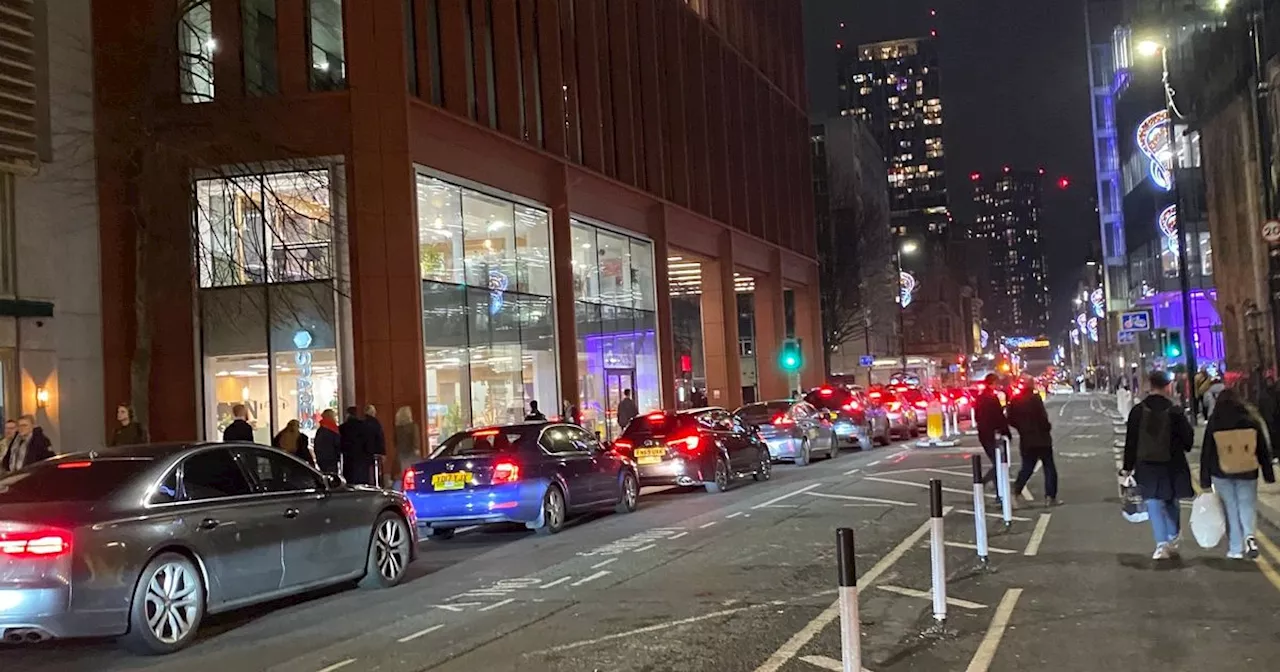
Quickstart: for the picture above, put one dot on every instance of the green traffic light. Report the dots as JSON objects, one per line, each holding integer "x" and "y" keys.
{"x": 789, "y": 359}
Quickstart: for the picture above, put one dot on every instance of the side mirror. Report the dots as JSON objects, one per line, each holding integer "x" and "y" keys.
{"x": 334, "y": 481}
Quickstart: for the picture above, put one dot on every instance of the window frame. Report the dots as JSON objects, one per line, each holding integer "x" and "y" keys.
{"x": 242, "y": 453}
{"x": 184, "y": 497}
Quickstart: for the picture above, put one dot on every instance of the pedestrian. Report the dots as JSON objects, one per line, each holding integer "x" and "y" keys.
{"x": 1236, "y": 446}
{"x": 29, "y": 446}
{"x": 328, "y": 443}
{"x": 534, "y": 414}
{"x": 357, "y": 460}
{"x": 239, "y": 429}
{"x": 1210, "y": 396}
{"x": 10, "y": 434}
{"x": 1200, "y": 388}
{"x": 1027, "y": 414}
{"x": 1158, "y": 437}
{"x": 130, "y": 432}
{"x": 292, "y": 440}
{"x": 988, "y": 412}
{"x": 408, "y": 438}
{"x": 377, "y": 443}
{"x": 627, "y": 410}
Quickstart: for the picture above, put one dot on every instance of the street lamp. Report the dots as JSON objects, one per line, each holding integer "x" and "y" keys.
{"x": 907, "y": 247}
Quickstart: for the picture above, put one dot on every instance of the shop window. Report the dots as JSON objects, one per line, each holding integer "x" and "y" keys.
{"x": 328, "y": 49}
{"x": 196, "y": 46}
{"x": 258, "y": 35}
{"x": 489, "y": 246}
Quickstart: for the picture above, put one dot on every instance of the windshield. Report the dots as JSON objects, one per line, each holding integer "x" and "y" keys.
{"x": 653, "y": 423}
{"x": 759, "y": 414}
{"x": 485, "y": 442}
{"x": 69, "y": 481}
{"x": 830, "y": 398}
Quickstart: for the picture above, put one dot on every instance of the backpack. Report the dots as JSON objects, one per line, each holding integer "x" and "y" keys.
{"x": 1155, "y": 434}
{"x": 1237, "y": 450}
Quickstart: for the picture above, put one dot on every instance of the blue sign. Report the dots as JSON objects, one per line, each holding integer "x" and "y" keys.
{"x": 1139, "y": 320}
{"x": 954, "y": 368}
{"x": 1127, "y": 337}
{"x": 866, "y": 360}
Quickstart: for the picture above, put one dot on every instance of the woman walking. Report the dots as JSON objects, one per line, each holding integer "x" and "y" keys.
{"x": 1236, "y": 447}
{"x": 292, "y": 440}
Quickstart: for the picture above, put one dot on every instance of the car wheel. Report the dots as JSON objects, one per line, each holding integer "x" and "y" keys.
{"x": 440, "y": 533}
{"x": 168, "y": 605}
{"x": 553, "y": 511}
{"x": 630, "y": 495}
{"x": 722, "y": 477}
{"x": 884, "y": 439}
{"x": 915, "y": 432}
{"x": 389, "y": 552}
{"x": 834, "y": 449}
{"x": 764, "y": 471}
{"x": 802, "y": 457}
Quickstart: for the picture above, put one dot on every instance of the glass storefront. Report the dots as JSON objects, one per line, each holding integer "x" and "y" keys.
{"x": 488, "y": 318}
{"x": 267, "y": 300}
{"x": 614, "y": 306}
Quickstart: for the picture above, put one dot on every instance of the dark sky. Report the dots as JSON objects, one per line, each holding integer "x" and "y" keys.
{"x": 1015, "y": 90}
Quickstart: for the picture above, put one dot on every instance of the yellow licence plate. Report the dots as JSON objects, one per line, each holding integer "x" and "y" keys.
{"x": 650, "y": 455}
{"x": 455, "y": 480}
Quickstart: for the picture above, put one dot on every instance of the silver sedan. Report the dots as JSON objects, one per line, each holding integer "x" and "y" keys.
{"x": 143, "y": 542}
{"x": 793, "y": 430}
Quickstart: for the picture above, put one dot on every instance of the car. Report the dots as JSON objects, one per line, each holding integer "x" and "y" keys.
{"x": 143, "y": 542}
{"x": 537, "y": 474}
{"x": 793, "y": 430}
{"x": 705, "y": 447}
{"x": 904, "y": 421}
{"x": 855, "y": 421}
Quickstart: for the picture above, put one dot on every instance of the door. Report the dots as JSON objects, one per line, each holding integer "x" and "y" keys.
{"x": 569, "y": 455}
{"x": 604, "y": 469}
{"x": 616, "y": 381}
{"x": 238, "y": 534}
{"x": 730, "y": 440}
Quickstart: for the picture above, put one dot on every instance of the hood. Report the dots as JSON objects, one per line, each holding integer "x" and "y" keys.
{"x": 1231, "y": 416}
{"x": 1158, "y": 402}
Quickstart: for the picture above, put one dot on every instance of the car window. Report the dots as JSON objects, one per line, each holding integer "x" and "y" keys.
{"x": 721, "y": 421}
{"x": 566, "y": 440}
{"x": 167, "y": 491}
{"x": 707, "y": 420}
{"x": 274, "y": 472}
{"x": 70, "y": 480}
{"x": 213, "y": 474}
{"x": 584, "y": 440}
{"x": 487, "y": 442}
{"x": 761, "y": 413}
{"x": 739, "y": 426}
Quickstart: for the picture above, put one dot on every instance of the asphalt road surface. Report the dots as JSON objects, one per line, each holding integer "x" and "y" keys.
{"x": 744, "y": 581}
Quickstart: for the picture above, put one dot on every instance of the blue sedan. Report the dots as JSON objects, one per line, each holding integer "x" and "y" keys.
{"x": 536, "y": 474}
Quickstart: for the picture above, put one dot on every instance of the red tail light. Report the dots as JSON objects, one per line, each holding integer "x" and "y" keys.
{"x": 895, "y": 405}
{"x": 826, "y": 392}
{"x": 37, "y": 543}
{"x": 963, "y": 401}
{"x": 852, "y": 406}
{"x": 783, "y": 421}
{"x": 505, "y": 471}
{"x": 689, "y": 444}
{"x": 409, "y": 482}
{"x": 75, "y": 465}
{"x": 922, "y": 404}
{"x": 656, "y": 416}
{"x": 623, "y": 445}
{"x": 874, "y": 395}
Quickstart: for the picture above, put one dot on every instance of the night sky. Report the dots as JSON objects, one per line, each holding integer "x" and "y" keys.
{"x": 1015, "y": 90}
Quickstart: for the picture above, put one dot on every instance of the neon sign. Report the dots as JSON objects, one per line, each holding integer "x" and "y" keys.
{"x": 1168, "y": 223}
{"x": 1093, "y": 329}
{"x": 1099, "y": 302}
{"x": 498, "y": 283}
{"x": 1075, "y": 337}
{"x": 986, "y": 338}
{"x": 1155, "y": 142}
{"x": 906, "y": 287}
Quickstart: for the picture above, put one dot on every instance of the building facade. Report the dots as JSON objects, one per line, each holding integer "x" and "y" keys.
{"x": 1008, "y": 209}
{"x": 455, "y": 207}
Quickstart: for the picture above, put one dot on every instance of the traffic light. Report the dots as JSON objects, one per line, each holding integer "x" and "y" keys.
{"x": 789, "y": 358}
{"x": 1173, "y": 346}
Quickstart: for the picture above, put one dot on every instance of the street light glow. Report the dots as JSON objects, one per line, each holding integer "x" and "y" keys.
{"x": 910, "y": 246}
{"x": 1149, "y": 48}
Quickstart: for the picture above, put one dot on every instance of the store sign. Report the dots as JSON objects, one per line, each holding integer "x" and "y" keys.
{"x": 302, "y": 339}
{"x": 1138, "y": 320}
{"x": 1099, "y": 302}
{"x": 498, "y": 283}
{"x": 1127, "y": 337}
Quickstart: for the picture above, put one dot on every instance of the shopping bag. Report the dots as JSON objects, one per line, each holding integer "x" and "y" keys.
{"x": 1135, "y": 509}
{"x": 1208, "y": 523}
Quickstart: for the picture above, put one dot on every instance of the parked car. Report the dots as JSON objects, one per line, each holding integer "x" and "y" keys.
{"x": 704, "y": 446}
{"x": 142, "y": 542}
{"x": 793, "y": 430}
{"x": 904, "y": 421}
{"x": 847, "y": 416}
{"x": 537, "y": 474}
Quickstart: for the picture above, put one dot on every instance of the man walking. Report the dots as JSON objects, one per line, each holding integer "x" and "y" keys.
{"x": 627, "y": 410}
{"x": 1158, "y": 437}
{"x": 357, "y": 463}
{"x": 534, "y": 414}
{"x": 989, "y": 415}
{"x": 1027, "y": 414}
{"x": 239, "y": 429}
{"x": 377, "y": 442}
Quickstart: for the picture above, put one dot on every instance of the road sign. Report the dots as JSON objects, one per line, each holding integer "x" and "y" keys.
{"x": 954, "y": 368}
{"x": 1127, "y": 337}
{"x": 1271, "y": 231}
{"x": 866, "y": 360}
{"x": 1138, "y": 320}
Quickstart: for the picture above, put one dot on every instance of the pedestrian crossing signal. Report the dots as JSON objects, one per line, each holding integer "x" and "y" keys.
{"x": 789, "y": 358}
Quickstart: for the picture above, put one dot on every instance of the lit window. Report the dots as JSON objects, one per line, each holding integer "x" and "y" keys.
{"x": 196, "y": 46}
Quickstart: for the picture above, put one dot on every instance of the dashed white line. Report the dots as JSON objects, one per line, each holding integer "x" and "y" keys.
{"x": 420, "y": 633}
{"x": 640, "y": 631}
{"x": 872, "y": 464}
{"x": 925, "y": 486}
{"x": 734, "y": 514}
{"x": 642, "y": 549}
{"x": 1037, "y": 535}
{"x": 789, "y": 495}
{"x": 851, "y": 472}
{"x": 503, "y": 603}
{"x": 338, "y": 666}
{"x": 456, "y": 606}
{"x": 706, "y": 525}
{"x": 556, "y": 582}
{"x": 602, "y": 563}
{"x": 677, "y": 536}
{"x": 598, "y": 575}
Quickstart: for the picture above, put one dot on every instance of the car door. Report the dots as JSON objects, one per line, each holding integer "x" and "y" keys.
{"x": 238, "y": 534}
{"x": 604, "y": 469}
{"x": 745, "y": 436}
{"x": 568, "y": 456}
{"x": 732, "y": 443}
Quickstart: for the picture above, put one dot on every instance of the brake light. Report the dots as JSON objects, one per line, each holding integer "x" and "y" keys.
{"x": 687, "y": 443}
{"x": 623, "y": 444}
{"x": 39, "y": 543}
{"x": 922, "y": 404}
{"x": 484, "y": 433}
{"x": 656, "y": 416}
{"x": 874, "y": 395}
{"x": 505, "y": 471}
{"x": 851, "y": 406}
{"x": 74, "y": 465}
{"x": 410, "y": 481}
{"x": 783, "y": 421}
{"x": 826, "y": 392}
{"x": 962, "y": 401}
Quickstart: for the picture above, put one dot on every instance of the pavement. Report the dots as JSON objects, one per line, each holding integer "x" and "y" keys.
{"x": 745, "y": 581}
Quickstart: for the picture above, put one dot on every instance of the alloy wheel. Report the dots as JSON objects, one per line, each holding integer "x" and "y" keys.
{"x": 722, "y": 474}
{"x": 553, "y": 509}
{"x": 392, "y": 549}
{"x": 172, "y": 606}
{"x": 630, "y": 492}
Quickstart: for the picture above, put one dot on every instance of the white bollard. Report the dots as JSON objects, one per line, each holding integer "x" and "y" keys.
{"x": 938, "y": 554}
{"x": 850, "y": 621}
{"x": 980, "y": 512}
{"x": 1002, "y": 483}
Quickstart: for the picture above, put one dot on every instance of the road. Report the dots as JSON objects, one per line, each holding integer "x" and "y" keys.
{"x": 745, "y": 582}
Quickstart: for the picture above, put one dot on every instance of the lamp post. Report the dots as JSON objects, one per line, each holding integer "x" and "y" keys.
{"x": 907, "y": 247}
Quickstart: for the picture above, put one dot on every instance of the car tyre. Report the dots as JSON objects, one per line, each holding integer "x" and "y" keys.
{"x": 802, "y": 457}
{"x": 884, "y": 439}
{"x": 721, "y": 482}
{"x": 764, "y": 470}
{"x": 168, "y": 605}
{"x": 834, "y": 449}
{"x": 390, "y": 549}
{"x": 629, "y": 497}
{"x": 554, "y": 510}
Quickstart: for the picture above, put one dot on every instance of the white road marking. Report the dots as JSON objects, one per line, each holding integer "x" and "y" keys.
{"x": 420, "y": 633}
{"x": 872, "y": 500}
{"x": 928, "y": 595}
{"x": 932, "y": 470}
{"x": 598, "y": 575}
{"x": 789, "y": 495}
{"x": 1037, "y": 535}
{"x": 986, "y": 652}
{"x": 647, "y": 629}
{"x": 338, "y": 666}
{"x": 925, "y": 486}
{"x": 706, "y": 525}
{"x": 734, "y": 515}
{"x": 642, "y": 549}
{"x": 827, "y": 663}
{"x": 602, "y": 563}
{"x": 872, "y": 464}
{"x": 972, "y": 547}
{"x": 851, "y": 472}
{"x": 457, "y": 606}
{"x": 673, "y": 538}
{"x": 503, "y": 603}
{"x": 557, "y": 582}
{"x": 1064, "y": 408}
{"x": 792, "y": 646}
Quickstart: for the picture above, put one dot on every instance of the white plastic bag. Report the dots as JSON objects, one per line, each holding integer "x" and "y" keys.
{"x": 1208, "y": 523}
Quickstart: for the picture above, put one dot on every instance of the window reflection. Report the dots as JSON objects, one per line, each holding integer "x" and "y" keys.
{"x": 196, "y": 46}
{"x": 258, "y": 34}
{"x": 328, "y": 51}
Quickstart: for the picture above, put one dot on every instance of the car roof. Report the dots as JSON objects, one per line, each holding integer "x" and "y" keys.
{"x": 154, "y": 451}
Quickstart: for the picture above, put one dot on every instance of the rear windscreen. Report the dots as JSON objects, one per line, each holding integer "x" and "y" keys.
{"x": 834, "y": 399}
{"x": 759, "y": 414}
{"x": 69, "y": 481}
{"x": 654, "y": 424}
{"x": 484, "y": 442}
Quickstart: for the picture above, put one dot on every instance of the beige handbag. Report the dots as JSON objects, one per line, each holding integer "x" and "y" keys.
{"x": 1237, "y": 450}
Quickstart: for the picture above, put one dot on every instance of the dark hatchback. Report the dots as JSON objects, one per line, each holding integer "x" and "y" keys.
{"x": 703, "y": 446}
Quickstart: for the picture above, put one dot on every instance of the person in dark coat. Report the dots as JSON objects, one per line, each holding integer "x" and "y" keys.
{"x": 239, "y": 429}
{"x": 129, "y": 433}
{"x": 328, "y": 443}
{"x": 28, "y": 447}
{"x": 989, "y": 416}
{"x": 1234, "y": 474}
{"x": 1159, "y": 428}
{"x": 377, "y": 443}
{"x": 357, "y": 460}
{"x": 1027, "y": 414}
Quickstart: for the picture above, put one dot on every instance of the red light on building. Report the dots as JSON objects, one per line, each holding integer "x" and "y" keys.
{"x": 1064, "y": 182}
{"x": 686, "y": 364}
{"x": 933, "y": 33}
{"x": 1007, "y": 169}
{"x": 1042, "y": 171}
{"x": 975, "y": 176}
{"x": 839, "y": 45}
